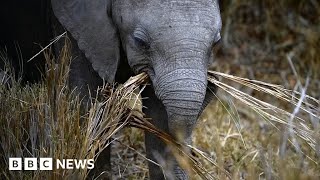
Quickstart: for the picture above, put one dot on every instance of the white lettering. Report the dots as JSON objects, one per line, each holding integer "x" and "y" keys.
{"x": 90, "y": 164}
{"x": 69, "y": 164}
{"x": 80, "y": 163}
{"x": 60, "y": 164}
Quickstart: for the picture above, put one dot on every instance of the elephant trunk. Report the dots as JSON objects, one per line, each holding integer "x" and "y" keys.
{"x": 182, "y": 92}
{"x": 180, "y": 81}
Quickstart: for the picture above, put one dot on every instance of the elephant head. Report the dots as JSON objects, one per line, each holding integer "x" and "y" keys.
{"x": 171, "y": 40}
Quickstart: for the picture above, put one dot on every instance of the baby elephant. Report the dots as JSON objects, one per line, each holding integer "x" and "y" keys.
{"x": 171, "y": 40}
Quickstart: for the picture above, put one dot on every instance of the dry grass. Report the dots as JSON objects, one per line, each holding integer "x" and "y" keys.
{"x": 254, "y": 130}
{"x": 254, "y": 139}
{"x": 49, "y": 120}
{"x": 46, "y": 120}
{"x": 275, "y": 42}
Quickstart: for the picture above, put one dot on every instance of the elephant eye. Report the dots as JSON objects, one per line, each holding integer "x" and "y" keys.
{"x": 141, "y": 43}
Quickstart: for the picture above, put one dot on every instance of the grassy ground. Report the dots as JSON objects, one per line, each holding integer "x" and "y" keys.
{"x": 271, "y": 41}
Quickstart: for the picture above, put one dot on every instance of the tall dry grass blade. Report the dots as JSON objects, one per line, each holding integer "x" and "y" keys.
{"x": 274, "y": 90}
{"x": 301, "y": 127}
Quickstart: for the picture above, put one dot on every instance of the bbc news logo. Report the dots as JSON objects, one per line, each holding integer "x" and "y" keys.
{"x": 47, "y": 164}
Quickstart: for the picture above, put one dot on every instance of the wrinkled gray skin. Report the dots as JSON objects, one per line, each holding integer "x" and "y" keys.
{"x": 171, "y": 40}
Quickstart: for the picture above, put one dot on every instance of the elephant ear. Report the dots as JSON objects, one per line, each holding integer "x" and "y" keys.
{"x": 89, "y": 23}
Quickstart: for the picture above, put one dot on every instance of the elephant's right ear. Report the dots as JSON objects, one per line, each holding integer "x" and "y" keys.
{"x": 89, "y": 23}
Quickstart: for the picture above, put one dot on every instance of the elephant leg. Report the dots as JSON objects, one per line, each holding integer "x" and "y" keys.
{"x": 102, "y": 165}
{"x": 155, "y": 148}
{"x": 83, "y": 79}
{"x": 82, "y": 76}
